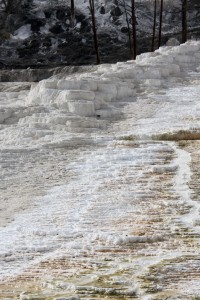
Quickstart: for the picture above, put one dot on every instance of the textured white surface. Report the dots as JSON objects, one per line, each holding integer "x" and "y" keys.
{"x": 121, "y": 200}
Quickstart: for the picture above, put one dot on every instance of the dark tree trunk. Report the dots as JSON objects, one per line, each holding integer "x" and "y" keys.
{"x": 96, "y": 47}
{"x": 9, "y": 6}
{"x": 12, "y": 6}
{"x": 134, "y": 29}
{"x": 129, "y": 31}
{"x": 72, "y": 13}
{"x": 154, "y": 26}
{"x": 184, "y": 21}
{"x": 160, "y": 24}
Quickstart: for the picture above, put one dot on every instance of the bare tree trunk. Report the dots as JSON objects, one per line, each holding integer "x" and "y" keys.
{"x": 129, "y": 30}
{"x": 134, "y": 29}
{"x": 8, "y": 4}
{"x": 12, "y": 6}
{"x": 184, "y": 21}
{"x": 154, "y": 26}
{"x": 72, "y": 13}
{"x": 160, "y": 24}
{"x": 96, "y": 47}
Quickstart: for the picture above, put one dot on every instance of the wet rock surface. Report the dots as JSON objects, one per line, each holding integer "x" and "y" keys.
{"x": 103, "y": 169}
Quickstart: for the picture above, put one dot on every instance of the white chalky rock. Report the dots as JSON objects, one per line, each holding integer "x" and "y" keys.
{"x": 189, "y": 47}
{"x": 67, "y": 96}
{"x": 131, "y": 63}
{"x": 138, "y": 239}
{"x": 150, "y": 72}
{"x": 163, "y": 169}
{"x": 48, "y": 84}
{"x": 124, "y": 90}
{"x": 107, "y": 198}
{"x": 145, "y": 57}
{"x": 42, "y": 97}
{"x": 164, "y": 59}
{"x": 64, "y": 84}
{"x": 163, "y": 50}
{"x": 174, "y": 69}
{"x": 197, "y": 56}
{"x": 110, "y": 76}
{"x": 108, "y": 88}
{"x": 164, "y": 71}
{"x": 47, "y": 96}
{"x": 119, "y": 63}
{"x": 88, "y": 85}
{"x": 153, "y": 82}
{"x": 107, "y": 113}
{"x": 62, "y": 120}
{"x": 172, "y": 42}
{"x": 104, "y": 68}
{"x": 42, "y": 93}
{"x": 5, "y": 114}
{"x": 79, "y": 94}
{"x": 12, "y": 95}
{"x": 81, "y": 107}
{"x": 184, "y": 58}
{"x": 102, "y": 99}
{"x": 97, "y": 103}
{"x": 135, "y": 73}
{"x": 72, "y": 94}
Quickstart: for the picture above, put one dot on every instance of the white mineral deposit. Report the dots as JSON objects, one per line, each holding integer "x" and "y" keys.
{"x": 99, "y": 193}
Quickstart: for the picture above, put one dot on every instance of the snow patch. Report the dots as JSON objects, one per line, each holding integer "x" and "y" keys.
{"x": 23, "y": 32}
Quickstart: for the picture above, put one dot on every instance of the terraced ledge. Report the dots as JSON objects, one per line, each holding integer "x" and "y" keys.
{"x": 101, "y": 170}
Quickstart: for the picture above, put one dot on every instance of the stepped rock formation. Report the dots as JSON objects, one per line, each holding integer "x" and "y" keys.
{"x": 100, "y": 181}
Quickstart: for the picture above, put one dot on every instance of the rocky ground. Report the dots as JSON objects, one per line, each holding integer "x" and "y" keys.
{"x": 41, "y": 35}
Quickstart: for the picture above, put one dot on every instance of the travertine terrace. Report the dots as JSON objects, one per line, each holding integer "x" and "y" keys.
{"x": 100, "y": 182}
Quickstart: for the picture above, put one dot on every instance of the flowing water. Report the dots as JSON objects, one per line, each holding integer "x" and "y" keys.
{"x": 99, "y": 182}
